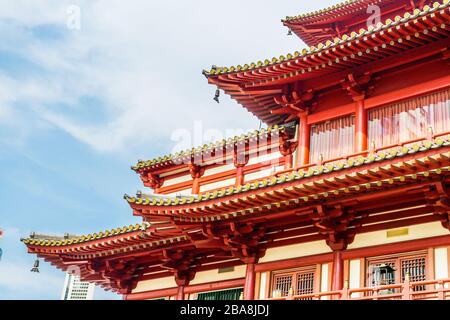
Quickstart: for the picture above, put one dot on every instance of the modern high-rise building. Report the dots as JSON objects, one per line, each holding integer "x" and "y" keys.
{"x": 75, "y": 289}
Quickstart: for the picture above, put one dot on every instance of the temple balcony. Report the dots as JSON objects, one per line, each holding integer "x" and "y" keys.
{"x": 418, "y": 290}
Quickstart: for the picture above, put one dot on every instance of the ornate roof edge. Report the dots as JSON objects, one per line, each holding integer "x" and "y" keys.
{"x": 294, "y": 175}
{"x": 208, "y": 147}
{"x": 321, "y": 11}
{"x": 88, "y": 237}
{"x": 215, "y": 71}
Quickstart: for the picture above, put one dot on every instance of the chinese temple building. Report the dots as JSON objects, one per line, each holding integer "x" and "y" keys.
{"x": 343, "y": 196}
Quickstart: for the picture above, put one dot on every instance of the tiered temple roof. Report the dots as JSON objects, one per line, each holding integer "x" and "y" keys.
{"x": 386, "y": 187}
{"x": 174, "y": 224}
{"x": 319, "y": 26}
{"x": 261, "y": 87}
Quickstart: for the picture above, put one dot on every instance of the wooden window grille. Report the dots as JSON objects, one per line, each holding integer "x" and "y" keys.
{"x": 305, "y": 283}
{"x": 282, "y": 284}
{"x": 416, "y": 268}
{"x": 301, "y": 281}
{"x": 414, "y": 264}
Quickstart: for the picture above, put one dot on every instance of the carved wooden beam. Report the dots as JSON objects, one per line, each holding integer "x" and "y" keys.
{"x": 293, "y": 102}
{"x": 240, "y": 239}
{"x": 152, "y": 180}
{"x": 120, "y": 274}
{"x": 439, "y": 199}
{"x": 358, "y": 87}
{"x": 195, "y": 170}
{"x": 335, "y": 225}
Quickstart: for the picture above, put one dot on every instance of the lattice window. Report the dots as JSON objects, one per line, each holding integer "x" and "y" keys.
{"x": 416, "y": 268}
{"x": 301, "y": 281}
{"x": 282, "y": 284}
{"x": 305, "y": 283}
{"x": 395, "y": 268}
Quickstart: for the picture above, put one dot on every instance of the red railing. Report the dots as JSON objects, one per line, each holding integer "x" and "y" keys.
{"x": 374, "y": 150}
{"x": 429, "y": 290}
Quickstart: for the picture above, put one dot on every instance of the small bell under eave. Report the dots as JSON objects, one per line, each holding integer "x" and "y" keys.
{"x": 35, "y": 266}
{"x": 217, "y": 95}
{"x": 289, "y": 32}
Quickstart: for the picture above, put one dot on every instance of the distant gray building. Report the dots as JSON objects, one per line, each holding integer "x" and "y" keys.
{"x": 74, "y": 289}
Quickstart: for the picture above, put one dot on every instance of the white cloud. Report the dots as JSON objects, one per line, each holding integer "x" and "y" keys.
{"x": 143, "y": 61}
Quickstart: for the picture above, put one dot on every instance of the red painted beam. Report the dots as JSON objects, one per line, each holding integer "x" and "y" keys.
{"x": 293, "y": 263}
{"x": 397, "y": 247}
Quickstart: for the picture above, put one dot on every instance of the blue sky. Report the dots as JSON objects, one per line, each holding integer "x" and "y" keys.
{"x": 78, "y": 107}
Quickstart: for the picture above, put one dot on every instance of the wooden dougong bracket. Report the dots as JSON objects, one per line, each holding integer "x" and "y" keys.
{"x": 334, "y": 224}
{"x": 152, "y": 181}
{"x": 294, "y": 102}
{"x": 439, "y": 200}
{"x": 119, "y": 273}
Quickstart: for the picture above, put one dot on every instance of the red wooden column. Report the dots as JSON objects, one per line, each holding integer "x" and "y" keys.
{"x": 239, "y": 174}
{"x": 338, "y": 271}
{"x": 240, "y": 160}
{"x": 358, "y": 87}
{"x": 303, "y": 138}
{"x": 250, "y": 277}
{"x": 182, "y": 279}
{"x": 197, "y": 172}
{"x": 361, "y": 125}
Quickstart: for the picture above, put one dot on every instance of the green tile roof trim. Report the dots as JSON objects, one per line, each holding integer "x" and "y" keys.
{"x": 330, "y": 44}
{"x": 86, "y": 238}
{"x": 209, "y": 147}
{"x": 294, "y": 175}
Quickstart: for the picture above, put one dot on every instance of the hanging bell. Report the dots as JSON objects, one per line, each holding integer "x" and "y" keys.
{"x": 217, "y": 95}
{"x": 36, "y": 266}
{"x": 289, "y": 32}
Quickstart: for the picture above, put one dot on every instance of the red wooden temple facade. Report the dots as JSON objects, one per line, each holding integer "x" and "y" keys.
{"x": 343, "y": 196}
